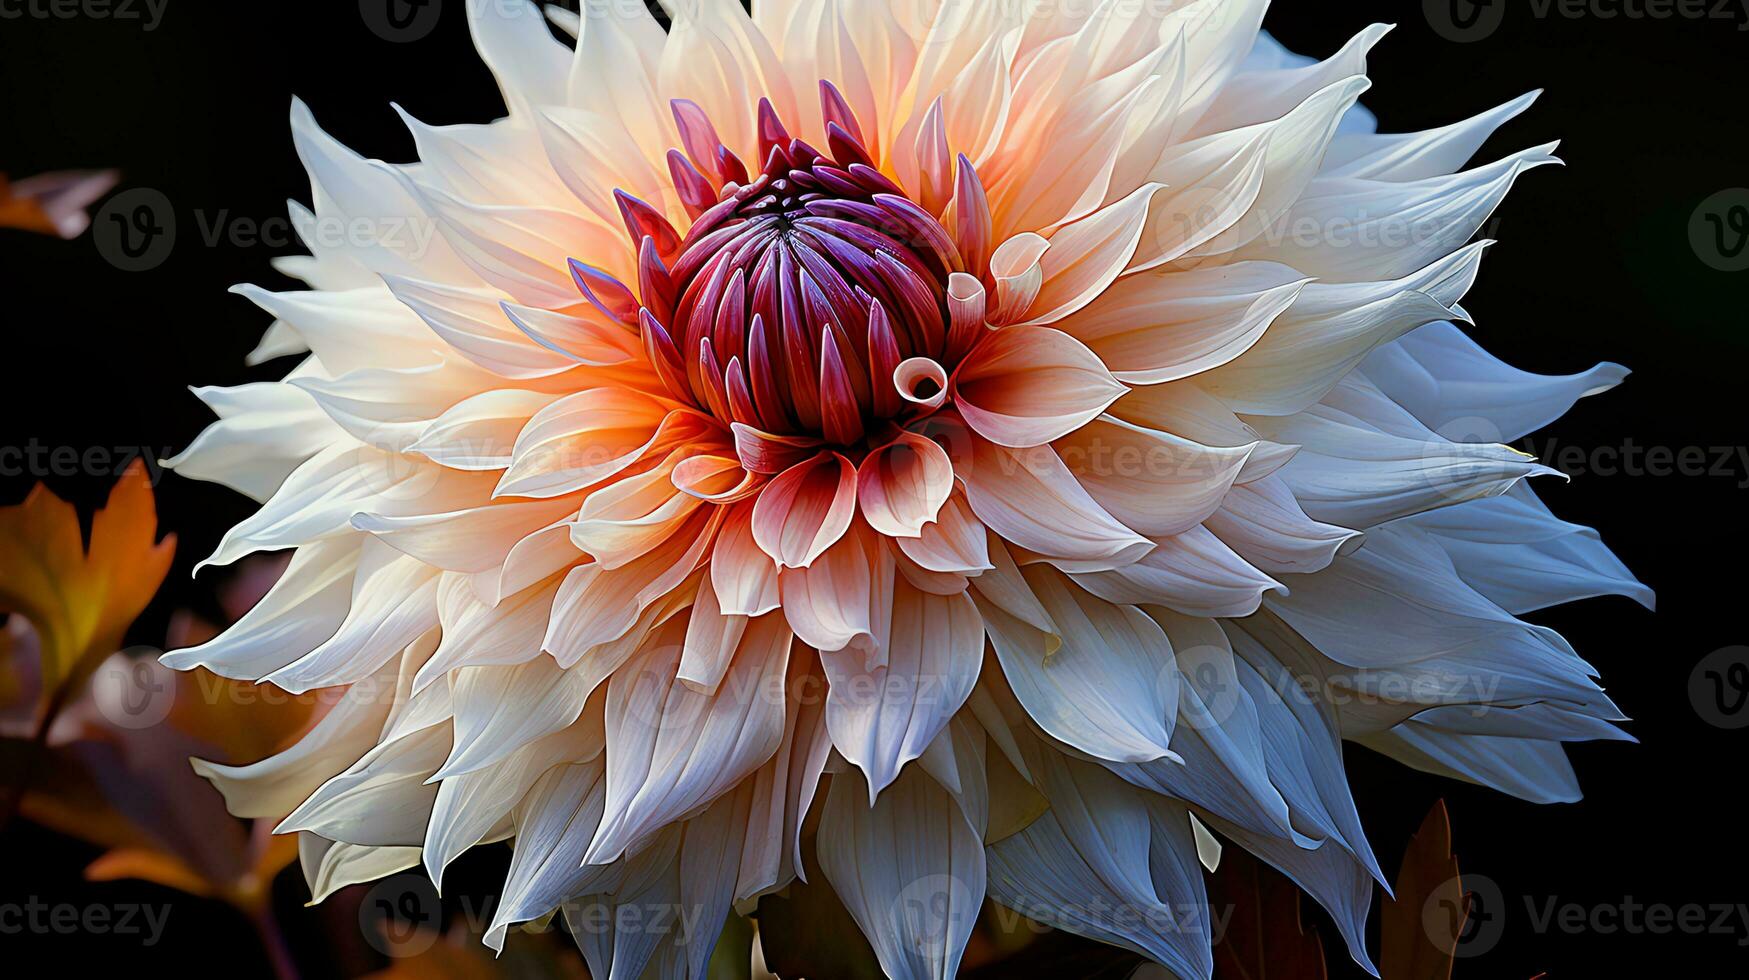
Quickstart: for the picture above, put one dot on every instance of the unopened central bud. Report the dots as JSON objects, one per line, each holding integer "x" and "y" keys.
{"x": 809, "y": 298}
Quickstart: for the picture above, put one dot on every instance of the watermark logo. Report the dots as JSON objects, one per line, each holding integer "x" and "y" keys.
{"x": 1471, "y": 924}
{"x": 133, "y": 690}
{"x": 400, "y": 21}
{"x": 400, "y": 916}
{"x": 135, "y": 230}
{"x": 933, "y": 910}
{"x": 1464, "y": 21}
{"x": 1718, "y": 231}
{"x": 1718, "y": 687}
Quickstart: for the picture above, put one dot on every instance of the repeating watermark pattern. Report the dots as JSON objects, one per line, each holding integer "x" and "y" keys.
{"x": 1491, "y": 916}
{"x": 132, "y": 690}
{"x": 33, "y": 916}
{"x": 39, "y": 461}
{"x": 1634, "y": 459}
{"x": 1718, "y": 688}
{"x": 148, "y": 14}
{"x": 400, "y": 21}
{"x": 402, "y": 916}
{"x": 1476, "y": 921}
{"x": 138, "y": 230}
{"x": 135, "y": 230}
{"x": 1465, "y": 21}
{"x": 399, "y": 916}
{"x": 934, "y": 910}
{"x": 1718, "y": 231}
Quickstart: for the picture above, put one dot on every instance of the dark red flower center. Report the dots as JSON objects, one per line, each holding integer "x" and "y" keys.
{"x": 808, "y": 299}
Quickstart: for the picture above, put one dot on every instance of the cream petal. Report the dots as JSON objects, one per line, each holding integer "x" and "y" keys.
{"x": 1266, "y": 526}
{"x": 1186, "y": 410}
{"x": 902, "y": 486}
{"x": 382, "y": 800}
{"x": 475, "y": 634}
{"x": 954, "y": 544}
{"x": 479, "y": 433}
{"x": 883, "y": 718}
{"x": 844, "y": 599}
{"x": 305, "y": 607}
{"x": 783, "y": 790}
{"x": 1193, "y": 572}
{"x": 500, "y": 709}
{"x": 597, "y": 605}
{"x": 470, "y": 807}
{"x": 744, "y": 576}
{"x": 1412, "y": 156}
{"x": 1089, "y": 255}
{"x": 275, "y": 786}
{"x": 1110, "y": 690}
{"x": 477, "y": 539}
{"x": 1331, "y": 328}
{"x": 711, "y": 639}
{"x": 1154, "y": 482}
{"x": 394, "y": 602}
{"x": 1158, "y": 327}
{"x": 1024, "y": 386}
{"x": 585, "y": 438}
{"x": 672, "y": 750}
{"x": 1031, "y": 499}
{"x": 626, "y": 519}
{"x": 264, "y": 432}
{"x": 909, "y": 869}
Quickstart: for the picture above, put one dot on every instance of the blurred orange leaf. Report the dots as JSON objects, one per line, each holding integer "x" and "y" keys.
{"x": 1264, "y": 938}
{"x": 1416, "y": 945}
{"x": 53, "y": 203}
{"x": 80, "y": 599}
{"x": 460, "y": 956}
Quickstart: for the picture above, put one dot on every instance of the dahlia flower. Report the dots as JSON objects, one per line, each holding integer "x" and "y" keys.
{"x": 970, "y": 449}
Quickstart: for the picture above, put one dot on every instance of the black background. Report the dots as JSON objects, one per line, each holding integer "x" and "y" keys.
{"x": 1594, "y": 263}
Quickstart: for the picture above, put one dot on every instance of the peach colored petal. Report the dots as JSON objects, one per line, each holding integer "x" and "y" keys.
{"x": 744, "y": 576}
{"x": 1024, "y": 386}
{"x": 902, "y": 485}
{"x": 763, "y": 452}
{"x": 1017, "y": 269}
{"x": 582, "y": 439}
{"x": 1031, "y": 499}
{"x": 1152, "y": 481}
{"x": 1089, "y": 255}
{"x": 845, "y": 598}
{"x": 629, "y": 517}
{"x": 806, "y": 509}
{"x": 717, "y": 479}
{"x": 953, "y": 543}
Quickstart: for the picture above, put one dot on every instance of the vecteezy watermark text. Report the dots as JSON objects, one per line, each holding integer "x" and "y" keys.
{"x": 37, "y": 917}
{"x": 147, "y": 13}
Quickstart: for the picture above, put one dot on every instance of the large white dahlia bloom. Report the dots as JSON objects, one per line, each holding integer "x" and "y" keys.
{"x": 994, "y": 446}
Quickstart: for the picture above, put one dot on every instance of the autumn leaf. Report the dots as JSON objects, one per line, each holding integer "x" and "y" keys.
{"x": 80, "y": 599}
{"x": 1264, "y": 938}
{"x": 1415, "y": 945}
{"x": 53, "y": 203}
{"x": 460, "y": 956}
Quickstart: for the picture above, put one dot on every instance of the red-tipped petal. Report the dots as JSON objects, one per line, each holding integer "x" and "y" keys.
{"x": 883, "y": 360}
{"x": 607, "y": 294}
{"x": 643, "y": 221}
{"x": 840, "y": 417}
